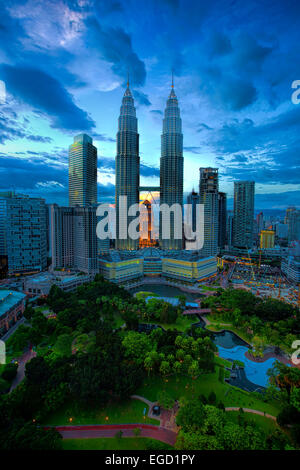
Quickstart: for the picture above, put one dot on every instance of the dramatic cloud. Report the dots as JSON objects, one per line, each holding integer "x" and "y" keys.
{"x": 44, "y": 93}
{"x": 108, "y": 164}
{"x": 141, "y": 98}
{"x": 115, "y": 45}
{"x": 25, "y": 174}
{"x": 65, "y": 64}
{"x": 196, "y": 150}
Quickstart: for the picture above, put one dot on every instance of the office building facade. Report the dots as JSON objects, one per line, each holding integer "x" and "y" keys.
{"x": 267, "y": 239}
{"x": 209, "y": 191}
{"x": 74, "y": 243}
{"x": 23, "y": 233}
{"x": 82, "y": 171}
{"x": 293, "y": 222}
{"x": 243, "y": 214}
{"x": 171, "y": 171}
{"x": 127, "y": 170}
{"x": 222, "y": 219}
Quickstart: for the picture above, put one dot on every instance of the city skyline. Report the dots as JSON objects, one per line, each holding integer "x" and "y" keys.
{"x": 235, "y": 101}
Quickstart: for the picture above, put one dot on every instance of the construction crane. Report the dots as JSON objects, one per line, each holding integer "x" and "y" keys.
{"x": 279, "y": 288}
{"x": 259, "y": 261}
{"x": 251, "y": 264}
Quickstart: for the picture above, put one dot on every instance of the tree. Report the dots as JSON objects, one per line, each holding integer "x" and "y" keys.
{"x": 62, "y": 346}
{"x": 165, "y": 400}
{"x": 20, "y": 338}
{"x": 295, "y": 397}
{"x": 214, "y": 420}
{"x": 151, "y": 361}
{"x": 191, "y": 416}
{"x": 37, "y": 371}
{"x": 31, "y": 437}
{"x": 55, "y": 398}
{"x": 165, "y": 368}
{"x": 28, "y": 312}
{"x": 212, "y": 398}
{"x": 131, "y": 319}
{"x": 288, "y": 415}
{"x": 196, "y": 441}
{"x": 9, "y": 372}
{"x": 136, "y": 346}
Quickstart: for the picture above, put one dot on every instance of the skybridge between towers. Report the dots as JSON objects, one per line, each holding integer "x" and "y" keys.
{"x": 149, "y": 189}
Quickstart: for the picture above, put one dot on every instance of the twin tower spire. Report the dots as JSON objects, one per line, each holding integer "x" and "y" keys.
{"x": 128, "y": 166}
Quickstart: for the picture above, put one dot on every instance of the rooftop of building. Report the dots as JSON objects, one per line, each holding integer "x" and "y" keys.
{"x": 47, "y": 276}
{"x": 8, "y": 299}
{"x": 152, "y": 253}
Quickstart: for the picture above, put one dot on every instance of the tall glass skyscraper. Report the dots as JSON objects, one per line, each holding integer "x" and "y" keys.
{"x": 243, "y": 214}
{"x": 127, "y": 170}
{"x": 82, "y": 171}
{"x": 222, "y": 214}
{"x": 209, "y": 191}
{"x": 171, "y": 168}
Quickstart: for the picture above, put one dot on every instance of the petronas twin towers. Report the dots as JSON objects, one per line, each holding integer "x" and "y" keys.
{"x": 128, "y": 169}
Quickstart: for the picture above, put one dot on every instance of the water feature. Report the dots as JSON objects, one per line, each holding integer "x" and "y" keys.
{"x": 256, "y": 372}
{"x": 230, "y": 345}
{"x": 165, "y": 291}
{"x": 228, "y": 340}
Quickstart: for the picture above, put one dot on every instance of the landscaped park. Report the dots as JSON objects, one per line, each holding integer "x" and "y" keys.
{"x": 96, "y": 375}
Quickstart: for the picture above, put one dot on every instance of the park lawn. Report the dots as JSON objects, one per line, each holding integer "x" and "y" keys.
{"x": 144, "y": 294}
{"x": 45, "y": 309}
{"x": 125, "y": 412}
{"x": 183, "y": 386}
{"x": 223, "y": 362}
{"x": 111, "y": 443}
{"x": 267, "y": 425}
{"x": 183, "y": 323}
{"x": 11, "y": 352}
{"x": 209, "y": 288}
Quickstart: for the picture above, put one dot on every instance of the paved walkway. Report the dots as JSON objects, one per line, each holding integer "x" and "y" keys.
{"x": 248, "y": 410}
{"x": 110, "y": 430}
{"x": 21, "y": 368}
{"x": 150, "y": 404}
{"x": 145, "y": 400}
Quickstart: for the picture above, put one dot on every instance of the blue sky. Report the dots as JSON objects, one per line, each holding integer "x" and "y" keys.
{"x": 64, "y": 64}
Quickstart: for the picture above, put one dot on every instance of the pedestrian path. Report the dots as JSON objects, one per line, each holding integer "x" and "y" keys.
{"x": 110, "y": 430}
{"x": 249, "y": 410}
